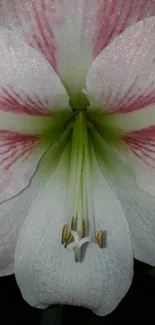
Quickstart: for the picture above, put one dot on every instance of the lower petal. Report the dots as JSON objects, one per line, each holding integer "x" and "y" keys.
{"x": 13, "y": 212}
{"x": 48, "y": 274}
{"x": 139, "y": 209}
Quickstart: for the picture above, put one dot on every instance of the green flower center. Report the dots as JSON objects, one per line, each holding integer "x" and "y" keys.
{"x": 89, "y": 133}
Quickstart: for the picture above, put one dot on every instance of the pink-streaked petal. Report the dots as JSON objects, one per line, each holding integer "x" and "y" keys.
{"x": 122, "y": 77}
{"x": 28, "y": 84}
{"x": 13, "y": 212}
{"x": 141, "y": 146}
{"x": 71, "y": 33}
{"x": 19, "y": 158}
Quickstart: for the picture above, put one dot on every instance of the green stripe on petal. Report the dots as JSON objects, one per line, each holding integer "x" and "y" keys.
{"x": 106, "y": 138}
{"x": 136, "y": 120}
{"x": 34, "y": 125}
{"x": 51, "y": 159}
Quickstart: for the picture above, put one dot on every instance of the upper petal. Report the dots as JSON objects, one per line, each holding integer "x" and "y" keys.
{"x": 28, "y": 84}
{"x": 29, "y": 90}
{"x": 47, "y": 273}
{"x": 122, "y": 77}
{"x": 71, "y": 33}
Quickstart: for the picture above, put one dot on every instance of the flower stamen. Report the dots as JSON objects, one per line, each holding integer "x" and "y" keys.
{"x": 64, "y": 234}
{"x": 84, "y": 228}
{"x": 69, "y": 239}
{"x": 99, "y": 238}
{"x": 73, "y": 223}
{"x": 79, "y": 214}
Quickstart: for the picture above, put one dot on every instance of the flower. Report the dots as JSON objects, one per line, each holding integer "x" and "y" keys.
{"x": 77, "y": 144}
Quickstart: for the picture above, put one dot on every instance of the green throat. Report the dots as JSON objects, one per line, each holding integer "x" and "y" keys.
{"x": 88, "y": 133}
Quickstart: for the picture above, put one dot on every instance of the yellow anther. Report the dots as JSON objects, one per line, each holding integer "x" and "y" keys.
{"x": 69, "y": 239}
{"x": 64, "y": 234}
{"x": 73, "y": 223}
{"x": 100, "y": 238}
{"x": 84, "y": 228}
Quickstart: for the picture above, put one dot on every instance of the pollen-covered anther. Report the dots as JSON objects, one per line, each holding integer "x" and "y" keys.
{"x": 69, "y": 239}
{"x": 64, "y": 234}
{"x": 99, "y": 238}
{"x": 84, "y": 228}
{"x": 73, "y": 223}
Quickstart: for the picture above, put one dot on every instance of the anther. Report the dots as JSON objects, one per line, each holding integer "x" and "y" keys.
{"x": 64, "y": 234}
{"x": 99, "y": 238}
{"x": 84, "y": 228}
{"x": 69, "y": 239}
{"x": 73, "y": 223}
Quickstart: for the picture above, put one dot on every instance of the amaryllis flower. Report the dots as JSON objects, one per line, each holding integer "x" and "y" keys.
{"x": 77, "y": 147}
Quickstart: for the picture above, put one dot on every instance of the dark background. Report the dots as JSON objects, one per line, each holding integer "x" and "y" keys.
{"x": 138, "y": 304}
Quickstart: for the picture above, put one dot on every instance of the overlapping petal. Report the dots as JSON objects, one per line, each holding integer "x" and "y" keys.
{"x": 28, "y": 84}
{"x": 137, "y": 204}
{"x": 141, "y": 148}
{"x": 19, "y": 157}
{"x": 121, "y": 78}
{"x": 71, "y": 33}
{"x": 14, "y": 212}
{"x": 139, "y": 210}
{"x": 29, "y": 90}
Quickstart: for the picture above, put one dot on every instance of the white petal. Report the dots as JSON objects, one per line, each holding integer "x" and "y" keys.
{"x": 71, "y": 33}
{"x": 109, "y": 216}
{"x": 19, "y": 157}
{"x": 28, "y": 85}
{"x": 139, "y": 208}
{"x": 141, "y": 147}
{"x": 122, "y": 77}
{"x": 47, "y": 273}
{"x": 14, "y": 211}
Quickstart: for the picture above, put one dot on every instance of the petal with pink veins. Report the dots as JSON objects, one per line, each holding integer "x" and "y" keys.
{"x": 138, "y": 136}
{"x": 137, "y": 204}
{"x": 28, "y": 84}
{"x": 71, "y": 33}
{"x": 13, "y": 212}
{"x": 19, "y": 157}
{"x": 29, "y": 90}
{"x": 141, "y": 147}
{"x": 122, "y": 78}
